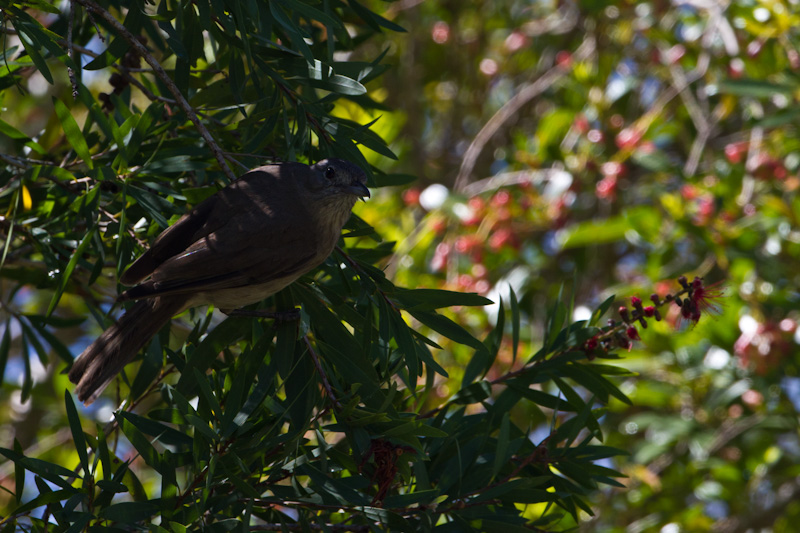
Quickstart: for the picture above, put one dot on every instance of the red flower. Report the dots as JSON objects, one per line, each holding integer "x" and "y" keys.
{"x": 700, "y": 299}
{"x": 703, "y": 296}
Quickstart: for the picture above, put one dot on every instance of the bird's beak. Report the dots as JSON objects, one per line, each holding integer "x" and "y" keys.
{"x": 358, "y": 189}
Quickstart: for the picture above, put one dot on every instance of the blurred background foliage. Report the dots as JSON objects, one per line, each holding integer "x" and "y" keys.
{"x": 571, "y": 151}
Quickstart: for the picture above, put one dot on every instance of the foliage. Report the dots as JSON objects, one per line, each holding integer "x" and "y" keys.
{"x": 620, "y": 145}
{"x": 232, "y": 424}
{"x": 573, "y": 151}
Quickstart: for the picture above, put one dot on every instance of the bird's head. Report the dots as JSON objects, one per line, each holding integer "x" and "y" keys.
{"x": 337, "y": 178}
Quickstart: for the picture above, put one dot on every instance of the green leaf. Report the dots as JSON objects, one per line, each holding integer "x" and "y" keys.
{"x": 322, "y": 76}
{"x": 201, "y": 357}
{"x": 414, "y": 427}
{"x": 594, "y": 382}
{"x": 405, "y": 342}
{"x": 784, "y": 116}
{"x": 392, "y": 520}
{"x": 601, "y": 310}
{"x": 73, "y": 133}
{"x": 31, "y": 47}
{"x": 373, "y": 19}
{"x": 594, "y": 232}
{"x": 11, "y": 132}
{"x": 49, "y": 471}
{"x": 119, "y": 45}
{"x": 512, "y": 487}
{"x": 19, "y": 473}
{"x": 332, "y": 487}
{"x": 129, "y": 512}
{"x": 551, "y": 130}
{"x": 206, "y": 395}
{"x": 474, "y": 393}
{"x": 394, "y": 180}
{"x": 756, "y": 88}
{"x": 77, "y": 431}
{"x": 297, "y": 39}
{"x": 73, "y": 261}
{"x": 139, "y": 441}
{"x": 153, "y": 204}
{"x": 5, "y": 346}
{"x": 448, "y": 328}
{"x": 312, "y": 13}
{"x": 515, "y": 323}
{"x": 501, "y": 450}
{"x": 162, "y": 433}
{"x": 44, "y": 499}
{"x": 430, "y": 299}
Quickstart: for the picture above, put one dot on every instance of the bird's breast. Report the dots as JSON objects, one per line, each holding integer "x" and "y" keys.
{"x": 236, "y": 297}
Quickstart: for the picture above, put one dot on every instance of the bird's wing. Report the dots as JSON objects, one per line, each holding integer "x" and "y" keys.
{"x": 240, "y": 238}
{"x": 271, "y": 253}
{"x": 172, "y": 240}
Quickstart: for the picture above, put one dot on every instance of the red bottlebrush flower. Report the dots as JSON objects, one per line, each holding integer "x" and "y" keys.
{"x": 439, "y": 226}
{"x": 581, "y": 124}
{"x": 689, "y": 192}
{"x": 703, "y": 296}
{"x": 612, "y": 169}
{"x": 563, "y": 59}
{"x": 673, "y": 55}
{"x": 411, "y": 196}
{"x": 465, "y": 281}
{"x": 502, "y": 237}
{"x": 794, "y": 58}
{"x": 736, "y": 68}
{"x": 595, "y": 136}
{"x": 590, "y": 346}
{"x": 629, "y": 137}
{"x": 700, "y": 299}
{"x": 606, "y": 188}
{"x": 500, "y": 198}
{"x": 476, "y": 203}
{"x": 734, "y": 152}
{"x": 623, "y": 342}
{"x": 705, "y": 210}
{"x": 440, "y": 32}
{"x": 439, "y": 261}
{"x": 466, "y": 243}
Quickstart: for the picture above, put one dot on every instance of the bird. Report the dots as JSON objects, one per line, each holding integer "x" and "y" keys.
{"x": 239, "y": 246}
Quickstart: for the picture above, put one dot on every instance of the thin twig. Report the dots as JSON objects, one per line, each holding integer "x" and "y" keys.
{"x": 512, "y": 107}
{"x": 142, "y": 50}
{"x": 307, "y": 527}
{"x": 71, "y": 73}
{"x": 125, "y": 72}
{"x": 326, "y": 385}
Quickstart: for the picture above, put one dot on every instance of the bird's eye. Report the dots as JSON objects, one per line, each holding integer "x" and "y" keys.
{"x": 330, "y": 173}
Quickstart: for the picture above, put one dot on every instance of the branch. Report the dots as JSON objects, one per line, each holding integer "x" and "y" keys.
{"x": 321, "y": 372}
{"x": 159, "y": 71}
{"x": 511, "y": 108}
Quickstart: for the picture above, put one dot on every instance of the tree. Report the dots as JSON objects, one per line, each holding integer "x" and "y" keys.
{"x": 400, "y": 400}
{"x": 268, "y": 425}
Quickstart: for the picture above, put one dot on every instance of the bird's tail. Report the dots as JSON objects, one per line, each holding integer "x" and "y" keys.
{"x": 119, "y": 344}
